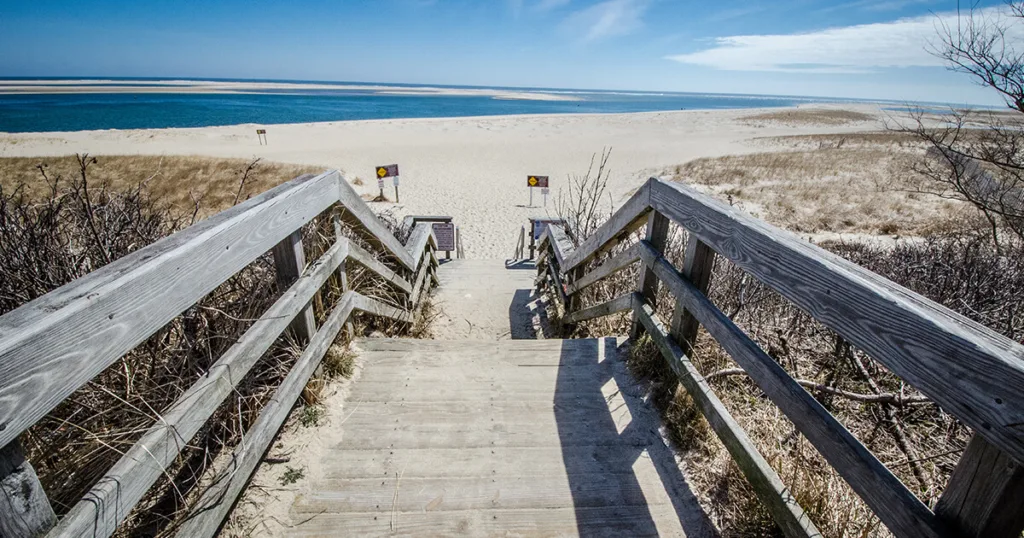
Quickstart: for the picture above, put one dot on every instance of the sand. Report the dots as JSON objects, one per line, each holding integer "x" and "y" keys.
{"x": 473, "y": 169}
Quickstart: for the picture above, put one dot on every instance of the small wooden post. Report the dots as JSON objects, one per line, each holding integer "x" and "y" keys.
{"x": 25, "y": 511}
{"x": 985, "y": 495}
{"x": 698, "y": 263}
{"x": 533, "y": 246}
{"x": 339, "y": 235}
{"x": 290, "y": 261}
{"x": 657, "y": 235}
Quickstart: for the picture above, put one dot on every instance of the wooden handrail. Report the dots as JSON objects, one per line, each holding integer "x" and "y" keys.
{"x": 969, "y": 370}
{"x": 54, "y": 344}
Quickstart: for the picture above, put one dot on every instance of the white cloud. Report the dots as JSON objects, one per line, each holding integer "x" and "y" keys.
{"x": 849, "y": 49}
{"x": 610, "y": 18}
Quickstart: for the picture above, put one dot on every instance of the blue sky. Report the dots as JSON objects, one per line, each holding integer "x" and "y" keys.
{"x": 840, "y": 48}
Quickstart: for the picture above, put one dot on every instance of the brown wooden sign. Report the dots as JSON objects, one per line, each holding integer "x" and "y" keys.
{"x": 444, "y": 234}
{"x": 537, "y": 181}
{"x": 261, "y": 131}
{"x": 388, "y": 170}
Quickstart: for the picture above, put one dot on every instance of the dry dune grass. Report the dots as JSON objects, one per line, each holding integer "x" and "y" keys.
{"x": 845, "y": 185}
{"x": 176, "y": 180}
{"x": 809, "y": 116}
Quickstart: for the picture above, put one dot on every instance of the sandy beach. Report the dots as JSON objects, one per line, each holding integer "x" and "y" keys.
{"x": 473, "y": 169}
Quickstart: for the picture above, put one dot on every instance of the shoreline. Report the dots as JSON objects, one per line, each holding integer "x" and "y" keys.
{"x": 473, "y": 168}
{"x": 759, "y": 110}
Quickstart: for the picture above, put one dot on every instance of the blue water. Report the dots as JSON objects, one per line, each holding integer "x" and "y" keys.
{"x": 87, "y": 111}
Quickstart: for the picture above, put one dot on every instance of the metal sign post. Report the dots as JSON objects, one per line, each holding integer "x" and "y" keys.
{"x": 261, "y": 135}
{"x": 388, "y": 170}
{"x": 537, "y": 181}
{"x": 545, "y": 191}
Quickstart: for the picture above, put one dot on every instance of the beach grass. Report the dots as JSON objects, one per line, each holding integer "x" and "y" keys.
{"x": 180, "y": 181}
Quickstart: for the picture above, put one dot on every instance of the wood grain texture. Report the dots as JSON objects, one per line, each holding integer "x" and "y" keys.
{"x": 902, "y": 512}
{"x": 25, "y": 511}
{"x": 356, "y": 212}
{"x": 627, "y": 218}
{"x": 581, "y": 457}
{"x": 647, "y": 284}
{"x": 112, "y": 498}
{"x": 290, "y": 262}
{"x": 369, "y": 261}
{"x": 698, "y": 264}
{"x": 985, "y": 495}
{"x": 617, "y": 263}
{"x": 614, "y": 306}
{"x": 774, "y": 495}
{"x": 968, "y": 369}
{"x": 53, "y": 345}
{"x": 215, "y": 503}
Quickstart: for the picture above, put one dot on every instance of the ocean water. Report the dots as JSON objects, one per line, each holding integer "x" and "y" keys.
{"x": 89, "y": 111}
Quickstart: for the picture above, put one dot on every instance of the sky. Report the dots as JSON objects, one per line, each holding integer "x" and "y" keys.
{"x": 877, "y": 49}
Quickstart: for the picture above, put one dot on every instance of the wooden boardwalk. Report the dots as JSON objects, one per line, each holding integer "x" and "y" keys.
{"x": 498, "y": 438}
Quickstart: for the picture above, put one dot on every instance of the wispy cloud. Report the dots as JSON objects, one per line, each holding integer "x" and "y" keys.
{"x": 610, "y": 18}
{"x": 849, "y": 49}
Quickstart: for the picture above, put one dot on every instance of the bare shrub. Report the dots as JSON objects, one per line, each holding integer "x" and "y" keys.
{"x": 53, "y": 235}
{"x": 582, "y": 204}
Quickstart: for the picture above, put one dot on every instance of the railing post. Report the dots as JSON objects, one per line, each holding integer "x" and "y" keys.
{"x": 290, "y": 261}
{"x": 25, "y": 511}
{"x": 657, "y": 236}
{"x": 698, "y": 263}
{"x": 339, "y": 235}
{"x": 985, "y": 494}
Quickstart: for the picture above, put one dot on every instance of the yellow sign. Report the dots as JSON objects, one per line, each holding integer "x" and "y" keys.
{"x": 532, "y": 181}
{"x": 381, "y": 172}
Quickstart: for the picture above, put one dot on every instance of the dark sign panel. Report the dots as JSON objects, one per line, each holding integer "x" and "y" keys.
{"x": 390, "y": 170}
{"x": 537, "y": 181}
{"x": 444, "y": 234}
{"x": 261, "y": 131}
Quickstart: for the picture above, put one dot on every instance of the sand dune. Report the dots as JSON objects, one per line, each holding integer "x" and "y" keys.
{"x": 471, "y": 168}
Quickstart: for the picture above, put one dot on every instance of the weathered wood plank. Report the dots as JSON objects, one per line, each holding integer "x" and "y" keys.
{"x": 775, "y": 496}
{"x": 357, "y": 212}
{"x": 617, "y": 263}
{"x": 421, "y": 278}
{"x": 556, "y": 279}
{"x": 902, "y": 512}
{"x": 25, "y": 511}
{"x": 966, "y": 368}
{"x": 56, "y": 343}
{"x": 562, "y": 246}
{"x": 206, "y": 515}
{"x": 614, "y": 306}
{"x": 985, "y": 495}
{"x": 627, "y": 218}
{"x": 698, "y": 264}
{"x": 372, "y": 306}
{"x": 107, "y": 504}
{"x": 290, "y": 262}
{"x": 603, "y": 522}
{"x": 369, "y": 261}
{"x": 647, "y": 285}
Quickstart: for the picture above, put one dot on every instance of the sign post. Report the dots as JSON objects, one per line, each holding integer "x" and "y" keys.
{"x": 389, "y": 170}
{"x": 261, "y": 135}
{"x": 537, "y": 181}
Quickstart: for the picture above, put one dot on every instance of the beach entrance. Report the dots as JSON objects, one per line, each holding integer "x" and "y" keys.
{"x": 503, "y": 422}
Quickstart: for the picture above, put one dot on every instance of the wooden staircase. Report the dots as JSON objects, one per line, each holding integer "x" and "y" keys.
{"x": 510, "y": 437}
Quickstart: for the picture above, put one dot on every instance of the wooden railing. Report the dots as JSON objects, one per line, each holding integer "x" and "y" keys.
{"x": 55, "y": 344}
{"x": 967, "y": 369}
